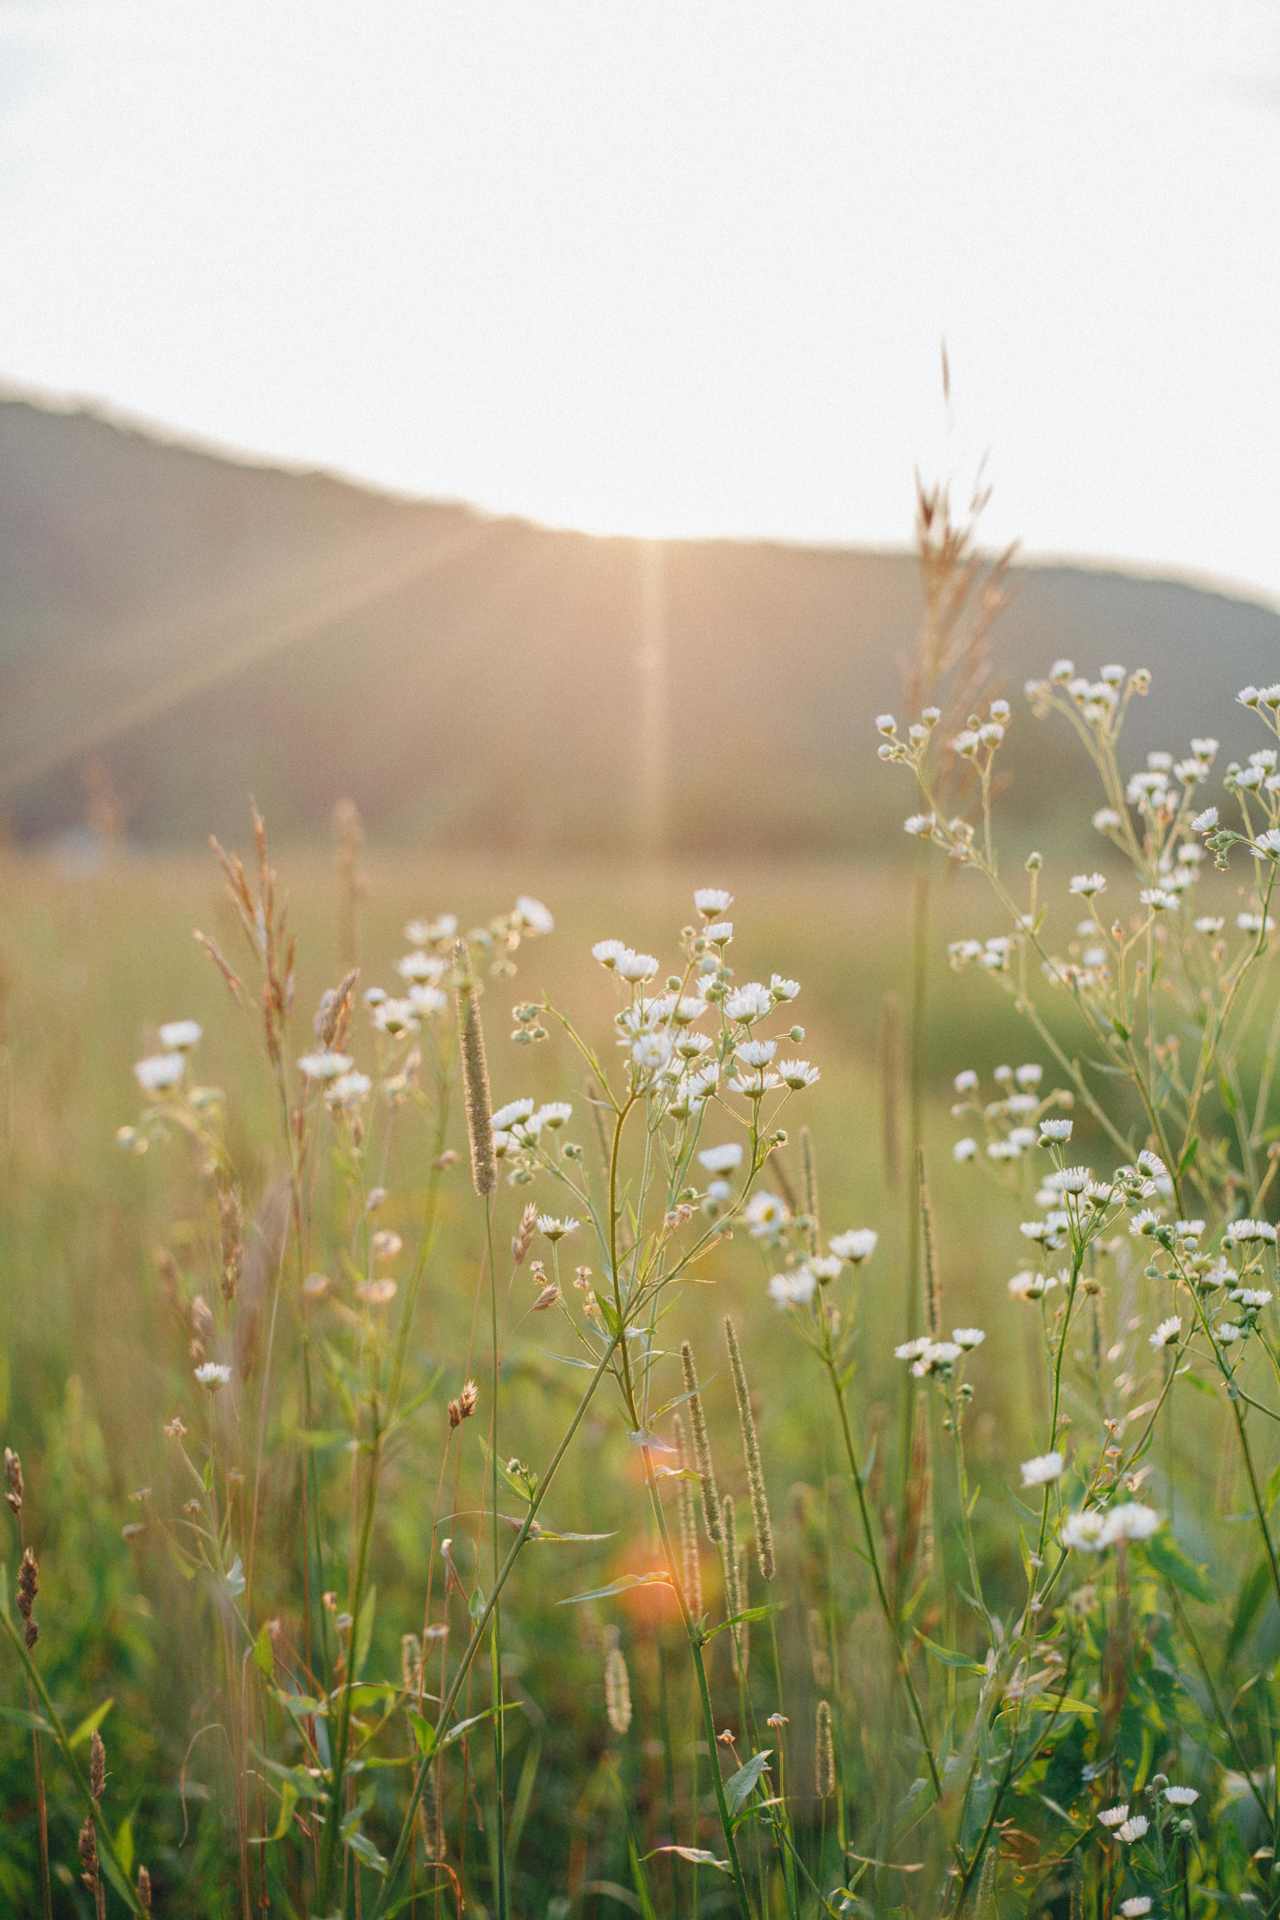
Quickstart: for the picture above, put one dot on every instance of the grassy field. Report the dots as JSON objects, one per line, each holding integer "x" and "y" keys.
{"x": 233, "y": 1601}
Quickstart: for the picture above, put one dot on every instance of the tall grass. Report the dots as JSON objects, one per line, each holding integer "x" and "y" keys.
{"x": 697, "y": 1558}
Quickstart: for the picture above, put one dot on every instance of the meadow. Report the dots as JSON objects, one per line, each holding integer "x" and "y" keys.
{"x": 407, "y": 1531}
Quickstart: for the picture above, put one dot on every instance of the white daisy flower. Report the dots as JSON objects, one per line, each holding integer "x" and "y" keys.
{"x": 427, "y": 1000}
{"x": 722, "y": 1159}
{"x": 395, "y": 1016}
{"x": 213, "y": 1375}
{"x": 159, "y": 1071}
{"x": 1181, "y": 1796}
{"x": 325, "y": 1065}
{"x": 797, "y": 1074}
{"x": 795, "y": 1288}
{"x": 630, "y": 965}
{"x": 712, "y": 900}
{"x": 1114, "y": 1816}
{"x": 965, "y": 1149}
{"x": 651, "y": 1052}
{"x": 1167, "y": 1332}
{"x": 1085, "y": 1531}
{"x": 534, "y": 917}
{"x": 1055, "y": 1130}
{"x": 1133, "y": 1521}
{"x": 1088, "y": 884}
{"x": 553, "y": 1228}
{"x": 1041, "y": 1469}
{"x": 421, "y": 967}
{"x": 855, "y": 1245}
{"x": 765, "y": 1215}
{"x": 348, "y": 1090}
{"x": 749, "y": 1002}
{"x": 1136, "y": 1906}
{"x": 179, "y": 1036}
{"x": 1133, "y": 1829}
{"x": 968, "y": 1337}
{"x": 609, "y": 952}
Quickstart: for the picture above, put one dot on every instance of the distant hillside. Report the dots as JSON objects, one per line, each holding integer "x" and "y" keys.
{"x": 200, "y": 629}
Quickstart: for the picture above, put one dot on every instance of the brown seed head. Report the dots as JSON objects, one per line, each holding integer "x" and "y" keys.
{"x": 14, "y": 1488}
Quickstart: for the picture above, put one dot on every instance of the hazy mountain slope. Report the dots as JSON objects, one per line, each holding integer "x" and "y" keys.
{"x": 204, "y": 629}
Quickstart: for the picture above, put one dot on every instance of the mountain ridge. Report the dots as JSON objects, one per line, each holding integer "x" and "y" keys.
{"x": 199, "y": 626}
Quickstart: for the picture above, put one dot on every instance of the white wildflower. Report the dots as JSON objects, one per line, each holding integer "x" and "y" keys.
{"x": 1041, "y": 1469}
{"x": 159, "y": 1071}
{"x": 325, "y": 1065}
{"x": 711, "y": 901}
{"x": 179, "y": 1036}
{"x": 855, "y": 1245}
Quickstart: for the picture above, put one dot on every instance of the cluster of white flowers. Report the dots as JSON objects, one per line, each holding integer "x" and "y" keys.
{"x": 162, "y": 1072}
{"x": 1016, "y": 1120}
{"x": 1092, "y": 1530}
{"x": 797, "y": 1285}
{"x": 1101, "y": 703}
{"x": 927, "y": 1356}
{"x": 684, "y": 1065}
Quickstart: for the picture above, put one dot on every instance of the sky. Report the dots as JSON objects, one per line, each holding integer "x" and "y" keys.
{"x": 675, "y": 268}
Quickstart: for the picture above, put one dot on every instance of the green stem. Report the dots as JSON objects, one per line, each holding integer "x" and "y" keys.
{"x": 106, "y": 1845}
{"x": 480, "y": 1631}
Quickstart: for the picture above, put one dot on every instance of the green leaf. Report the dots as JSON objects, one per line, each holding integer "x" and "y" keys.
{"x": 962, "y": 1661}
{"x": 19, "y": 1717}
{"x": 624, "y": 1585}
{"x": 124, "y": 1842}
{"x": 461, "y": 1727}
{"x": 740, "y": 1786}
{"x": 365, "y": 1851}
{"x": 90, "y": 1724}
{"x": 1064, "y": 1704}
{"x": 747, "y": 1614}
{"x": 263, "y": 1652}
{"x": 423, "y": 1732}
{"x": 1169, "y": 1560}
{"x": 608, "y": 1313}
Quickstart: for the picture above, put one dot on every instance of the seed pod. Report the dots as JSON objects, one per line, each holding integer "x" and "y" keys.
{"x": 701, "y": 1448}
{"x": 28, "y": 1587}
{"x": 475, "y": 1086}
{"x": 690, "y": 1562}
{"x": 14, "y": 1487}
{"x": 824, "y": 1753}
{"x": 932, "y": 1284}
{"x": 410, "y": 1662}
{"x": 97, "y": 1766}
{"x": 144, "y": 1889}
{"x": 751, "y": 1454}
{"x": 617, "y": 1690}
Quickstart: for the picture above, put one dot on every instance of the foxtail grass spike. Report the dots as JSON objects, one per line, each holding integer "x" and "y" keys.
{"x": 751, "y": 1454}
{"x": 701, "y": 1448}
{"x": 475, "y": 1087}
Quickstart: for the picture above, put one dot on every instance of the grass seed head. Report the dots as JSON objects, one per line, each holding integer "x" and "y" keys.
{"x": 701, "y": 1447}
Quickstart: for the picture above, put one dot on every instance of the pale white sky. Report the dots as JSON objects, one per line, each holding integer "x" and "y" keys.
{"x": 675, "y": 267}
